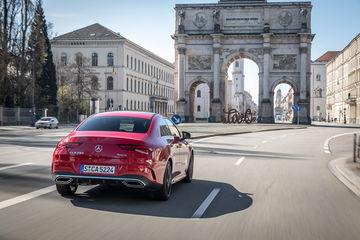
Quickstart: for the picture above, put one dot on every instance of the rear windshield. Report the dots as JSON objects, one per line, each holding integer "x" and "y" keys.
{"x": 45, "y": 119}
{"x": 116, "y": 124}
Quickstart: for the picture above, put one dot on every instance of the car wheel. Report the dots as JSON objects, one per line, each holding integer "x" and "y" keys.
{"x": 66, "y": 189}
{"x": 190, "y": 170}
{"x": 57, "y": 127}
{"x": 37, "y": 128}
{"x": 164, "y": 192}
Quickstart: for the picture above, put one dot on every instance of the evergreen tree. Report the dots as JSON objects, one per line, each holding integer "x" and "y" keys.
{"x": 44, "y": 67}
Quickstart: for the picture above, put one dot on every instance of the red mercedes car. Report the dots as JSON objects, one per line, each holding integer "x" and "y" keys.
{"x": 136, "y": 149}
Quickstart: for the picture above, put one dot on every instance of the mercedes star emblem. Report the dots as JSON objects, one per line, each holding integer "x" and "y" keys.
{"x": 98, "y": 148}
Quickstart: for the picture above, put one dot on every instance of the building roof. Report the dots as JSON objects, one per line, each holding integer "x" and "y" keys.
{"x": 328, "y": 56}
{"x": 91, "y": 32}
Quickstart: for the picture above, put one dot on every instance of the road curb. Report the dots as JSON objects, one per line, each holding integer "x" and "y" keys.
{"x": 235, "y": 133}
{"x": 344, "y": 176}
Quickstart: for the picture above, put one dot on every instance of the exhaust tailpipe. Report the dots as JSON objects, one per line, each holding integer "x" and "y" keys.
{"x": 63, "y": 180}
{"x": 134, "y": 184}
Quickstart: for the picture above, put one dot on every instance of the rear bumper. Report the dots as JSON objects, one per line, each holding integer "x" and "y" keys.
{"x": 132, "y": 181}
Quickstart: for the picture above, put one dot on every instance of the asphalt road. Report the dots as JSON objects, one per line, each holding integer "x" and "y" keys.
{"x": 269, "y": 185}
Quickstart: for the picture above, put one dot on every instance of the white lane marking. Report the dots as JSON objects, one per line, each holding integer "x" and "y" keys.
{"x": 14, "y": 166}
{"x": 264, "y": 141}
{"x": 326, "y": 146}
{"x": 206, "y": 203}
{"x": 203, "y": 139}
{"x": 25, "y": 197}
{"x": 240, "y": 161}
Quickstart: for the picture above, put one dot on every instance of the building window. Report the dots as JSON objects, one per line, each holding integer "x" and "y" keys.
{"x": 318, "y": 77}
{"x": 127, "y": 84}
{"x": 127, "y": 104}
{"x": 198, "y": 94}
{"x": 131, "y": 85}
{"x": 94, "y": 83}
{"x": 236, "y": 64}
{"x": 199, "y": 108}
{"x": 63, "y": 60}
{"x": 135, "y": 64}
{"x": 320, "y": 92}
{"x": 110, "y": 103}
{"x": 110, "y": 83}
{"x": 78, "y": 59}
{"x": 131, "y": 62}
{"x": 135, "y": 86}
{"x": 110, "y": 59}
{"x": 131, "y": 105}
{"x": 127, "y": 61}
{"x": 94, "y": 59}
{"x": 318, "y": 108}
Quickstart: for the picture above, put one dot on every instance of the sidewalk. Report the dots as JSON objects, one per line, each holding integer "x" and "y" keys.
{"x": 347, "y": 172}
{"x": 340, "y": 125}
{"x": 201, "y": 130}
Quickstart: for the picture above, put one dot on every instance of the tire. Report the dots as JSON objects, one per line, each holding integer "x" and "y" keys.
{"x": 66, "y": 189}
{"x": 164, "y": 192}
{"x": 190, "y": 170}
{"x": 56, "y": 127}
{"x": 37, "y": 128}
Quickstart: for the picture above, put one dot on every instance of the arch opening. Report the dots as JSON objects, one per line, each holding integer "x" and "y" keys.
{"x": 242, "y": 80}
{"x": 200, "y": 101}
{"x": 284, "y": 99}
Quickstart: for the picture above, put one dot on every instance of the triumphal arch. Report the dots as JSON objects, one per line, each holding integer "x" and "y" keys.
{"x": 275, "y": 35}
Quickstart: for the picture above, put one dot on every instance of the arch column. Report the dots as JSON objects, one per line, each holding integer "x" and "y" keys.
{"x": 265, "y": 106}
{"x": 181, "y": 103}
{"x": 304, "y": 94}
{"x": 218, "y": 99}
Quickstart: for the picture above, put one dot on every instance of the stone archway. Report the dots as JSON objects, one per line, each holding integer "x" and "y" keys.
{"x": 276, "y": 36}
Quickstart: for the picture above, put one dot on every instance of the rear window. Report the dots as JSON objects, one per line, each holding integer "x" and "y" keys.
{"x": 45, "y": 119}
{"x": 116, "y": 124}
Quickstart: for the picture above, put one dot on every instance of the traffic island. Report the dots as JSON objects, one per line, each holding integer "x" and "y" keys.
{"x": 202, "y": 130}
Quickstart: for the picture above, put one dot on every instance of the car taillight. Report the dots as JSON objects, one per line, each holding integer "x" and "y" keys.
{"x": 144, "y": 150}
{"x": 63, "y": 145}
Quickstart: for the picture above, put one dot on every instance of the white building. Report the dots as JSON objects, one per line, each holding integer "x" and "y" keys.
{"x": 343, "y": 85}
{"x": 202, "y": 103}
{"x": 318, "y": 86}
{"x": 130, "y": 77}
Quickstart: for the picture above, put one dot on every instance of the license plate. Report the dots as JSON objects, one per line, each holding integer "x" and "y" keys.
{"x": 97, "y": 169}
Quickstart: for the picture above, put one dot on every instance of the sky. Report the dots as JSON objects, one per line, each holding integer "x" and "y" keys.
{"x": 150, "y": 23}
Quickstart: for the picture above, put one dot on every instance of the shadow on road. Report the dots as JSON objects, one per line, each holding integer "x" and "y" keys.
{"x": 185, "y": 200}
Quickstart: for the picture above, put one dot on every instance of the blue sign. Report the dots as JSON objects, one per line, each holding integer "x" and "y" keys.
{"x": 176, "y": 119}
{"x": 296, "y": 108}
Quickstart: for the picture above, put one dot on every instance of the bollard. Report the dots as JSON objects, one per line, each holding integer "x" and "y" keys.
{"x": 354, "y": 150}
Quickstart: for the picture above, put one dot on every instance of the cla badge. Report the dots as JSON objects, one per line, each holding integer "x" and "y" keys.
{"x": 98, "y": 148}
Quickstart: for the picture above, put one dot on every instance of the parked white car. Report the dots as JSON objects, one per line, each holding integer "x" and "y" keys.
{"x": 47, "y": 122}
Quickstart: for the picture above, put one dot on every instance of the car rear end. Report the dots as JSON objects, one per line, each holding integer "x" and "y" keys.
{"x": 108, "y": 149}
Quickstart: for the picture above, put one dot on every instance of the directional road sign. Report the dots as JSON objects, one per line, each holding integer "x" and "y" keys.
{"x": 176, "y": 119}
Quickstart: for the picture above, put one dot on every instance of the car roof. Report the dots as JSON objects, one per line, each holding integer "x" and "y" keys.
{"x": 136, "y": 114}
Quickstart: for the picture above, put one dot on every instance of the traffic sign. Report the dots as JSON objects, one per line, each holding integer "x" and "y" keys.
{"x": 296, "y": 108}
{"x": 176, "y": 119}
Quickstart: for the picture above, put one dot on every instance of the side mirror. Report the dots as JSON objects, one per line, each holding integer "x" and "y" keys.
{"x": 186, "y": 135}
